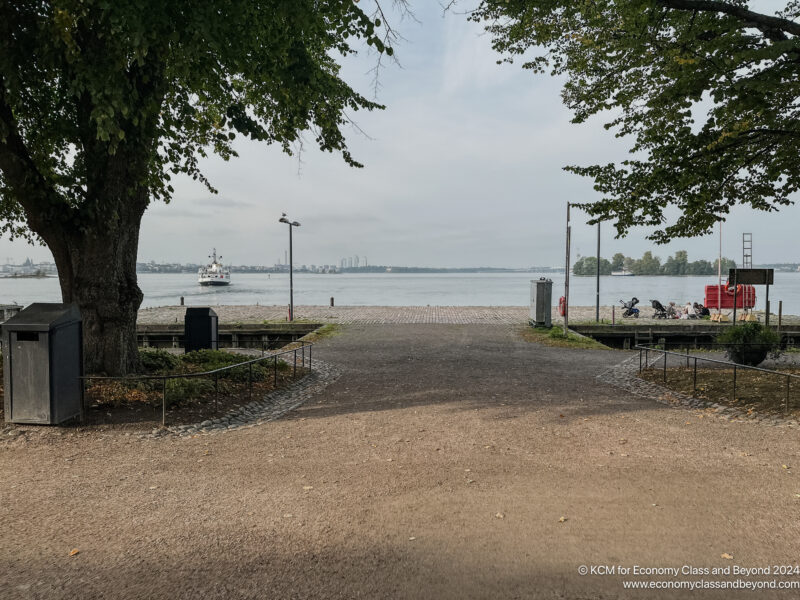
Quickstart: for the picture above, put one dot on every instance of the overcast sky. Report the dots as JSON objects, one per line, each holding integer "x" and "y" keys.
{"x": 463, "y": 168}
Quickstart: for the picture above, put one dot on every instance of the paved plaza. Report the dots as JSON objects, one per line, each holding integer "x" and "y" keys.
{"x": 446, "y": 462}
{"x": 384, "y": 315}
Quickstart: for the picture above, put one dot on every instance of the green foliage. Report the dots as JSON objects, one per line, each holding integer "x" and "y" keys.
{"x": 587, "y": 265}
{"x": 651, "y": 265}
{"x": 138, "y": 91}
{"x": 705, "y": 90}
{"x": 210, "y": 360}
{"x": 749, "y": 343}
{"x": 157, "y": 361}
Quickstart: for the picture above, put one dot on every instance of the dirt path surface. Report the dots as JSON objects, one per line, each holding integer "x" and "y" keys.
{"x": 439, "y": 465}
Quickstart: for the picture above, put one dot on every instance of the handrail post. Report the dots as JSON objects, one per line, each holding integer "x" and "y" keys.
{"x": 294, "y": 364}
{"x": 734, "y": 383}
{"x": 303, "y": 349}
{"x": 164, "y": 402}
{"x": 665, "y": 367}
{"x": 275, "y": 369}
{"x": 309, "y": 357}
{"x": 250, "y": 381}
{"x": 640, "y": 359}
{"x": 646, "y": 357}
{"x": 216, "y": 390}
{"x": 694, "y": 381}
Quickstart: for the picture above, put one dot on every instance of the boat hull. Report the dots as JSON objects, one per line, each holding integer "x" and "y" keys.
{"x": 214, "y": 283}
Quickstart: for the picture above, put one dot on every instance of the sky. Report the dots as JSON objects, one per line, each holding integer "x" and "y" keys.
{"x": 462, "y": 169}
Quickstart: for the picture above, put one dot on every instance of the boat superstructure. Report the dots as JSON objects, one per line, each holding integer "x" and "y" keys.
{"x": 214, "y": 273}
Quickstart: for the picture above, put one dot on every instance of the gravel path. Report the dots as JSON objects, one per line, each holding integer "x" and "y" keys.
{"x": 446, "y": 461}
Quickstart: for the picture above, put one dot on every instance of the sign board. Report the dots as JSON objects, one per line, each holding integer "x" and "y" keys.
{"x": 751, "y": 276}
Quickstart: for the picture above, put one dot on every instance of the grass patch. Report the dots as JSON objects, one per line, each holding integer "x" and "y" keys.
{"x": 555, "y": 337}
{"x": 326, "y": 331}
{"x": 763, "y": 393}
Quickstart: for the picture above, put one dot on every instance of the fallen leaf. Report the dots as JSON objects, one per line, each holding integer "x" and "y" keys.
{"x": 74, "y": 551}
{"x": 560, "y": 416}
{"x": 389, "y": 460}
{"x": 411, "y": 539}
{"x": 785, "y": 466}
{"x": 308, "y": 487}
{"x": 500, "y": 516}
{"x": 153, "y": 487}
{"x": 288, "y": 516}
{"x": 562, "y": 520}
{"x": 726, "y": 556}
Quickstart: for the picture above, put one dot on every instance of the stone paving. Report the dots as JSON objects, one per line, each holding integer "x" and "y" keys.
{"x": 375, "y": 315}
{"x": 372, "y": 315}
{"x": 625, "y": 376}
{"x": 272, "y": 406}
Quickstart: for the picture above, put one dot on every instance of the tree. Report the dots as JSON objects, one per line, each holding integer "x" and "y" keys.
{"x": 617, "y": 261}
{"x": 587, "y": 265}
{"x": 707, "y": 89}
{"x": 647, "y": 265}
{"x": 677, "y": 265}
{"x": 102, "y": 102}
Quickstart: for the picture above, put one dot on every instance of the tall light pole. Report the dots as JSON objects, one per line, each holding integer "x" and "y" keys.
{"x": 291, "y": 224}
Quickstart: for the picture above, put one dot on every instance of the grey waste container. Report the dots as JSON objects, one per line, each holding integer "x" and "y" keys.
{"x": 541, "y": 302}
{"x": 43, "y": 363}
{"x": 200, "y": 329}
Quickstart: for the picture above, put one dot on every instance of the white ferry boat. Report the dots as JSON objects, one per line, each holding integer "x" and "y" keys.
{"x": 214, "y": 273}
{"x": 622, "y": 273}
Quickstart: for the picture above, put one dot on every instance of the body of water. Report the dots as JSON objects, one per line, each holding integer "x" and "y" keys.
{"x": 389, "y": 289}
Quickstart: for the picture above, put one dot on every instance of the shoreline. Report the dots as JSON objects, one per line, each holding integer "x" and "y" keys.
{"x": 508, "y": 315}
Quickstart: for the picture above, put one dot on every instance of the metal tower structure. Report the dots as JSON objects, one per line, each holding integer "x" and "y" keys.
{"x": 747, "y": 250}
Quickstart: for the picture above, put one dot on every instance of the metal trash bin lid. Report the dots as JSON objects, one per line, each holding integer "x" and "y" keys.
{"x": 43, "y": 316}
{"x": 194, "y": 312}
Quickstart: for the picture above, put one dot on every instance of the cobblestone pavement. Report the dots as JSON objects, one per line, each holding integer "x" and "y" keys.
{"x": 384, "y": 315}
{"x": 625, "y": 376}
{"x": 366, "y": 315}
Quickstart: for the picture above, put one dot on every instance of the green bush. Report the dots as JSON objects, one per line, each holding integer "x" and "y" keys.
{"x": 210, "y": 360}
{"x": 188, "y": 388}
{"x": 749, "y": 343}
{"x": 157, "y": 361}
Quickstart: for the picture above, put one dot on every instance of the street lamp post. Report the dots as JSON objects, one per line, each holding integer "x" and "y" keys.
{"x": 291, "y": 224}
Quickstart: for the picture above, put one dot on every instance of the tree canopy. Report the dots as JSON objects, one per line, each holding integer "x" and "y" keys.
{"x": 102, "y": 103}
{"x": 83, "y": 79}
{"x": 651, "y": 265}
{"x": 707, "y": 90}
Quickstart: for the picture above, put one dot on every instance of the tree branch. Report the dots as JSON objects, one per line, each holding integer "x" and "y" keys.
{"x": 775, "y": 28}
{"x": 29, "y": 187}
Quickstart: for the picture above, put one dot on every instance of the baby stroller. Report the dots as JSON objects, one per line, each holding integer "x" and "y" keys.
{"x": 630, "y": 309}
{"x": 660, "y": 311}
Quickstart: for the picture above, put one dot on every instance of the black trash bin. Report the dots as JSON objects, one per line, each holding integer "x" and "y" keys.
{"x": 43, "y": 364}
{"x": 200, "y": 329}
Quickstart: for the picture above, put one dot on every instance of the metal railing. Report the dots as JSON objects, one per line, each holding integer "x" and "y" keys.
{"x": 215, "y": 372}
{"x": 644, "y": 352}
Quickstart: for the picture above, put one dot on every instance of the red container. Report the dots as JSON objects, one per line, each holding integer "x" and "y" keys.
{"x": 745, "y": 296}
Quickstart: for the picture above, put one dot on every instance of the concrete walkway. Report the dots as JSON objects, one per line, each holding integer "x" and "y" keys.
{"x": 446, "y": 462}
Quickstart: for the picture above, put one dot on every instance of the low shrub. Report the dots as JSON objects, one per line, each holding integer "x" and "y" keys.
{"x": 749, "y": 343}
{"x": 157, "y": 361}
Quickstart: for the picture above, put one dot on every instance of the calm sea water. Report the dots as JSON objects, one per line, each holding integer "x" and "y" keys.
{"x": 387, "y": 289}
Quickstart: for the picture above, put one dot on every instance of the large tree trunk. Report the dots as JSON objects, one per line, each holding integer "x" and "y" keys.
{"x": 97, "y": 271}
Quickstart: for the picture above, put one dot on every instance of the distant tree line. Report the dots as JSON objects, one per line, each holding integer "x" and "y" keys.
{"x": 650, "y": 265}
